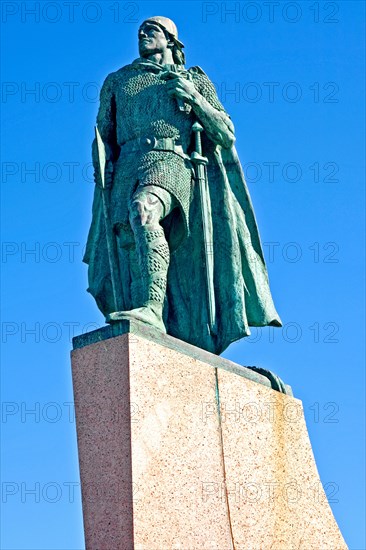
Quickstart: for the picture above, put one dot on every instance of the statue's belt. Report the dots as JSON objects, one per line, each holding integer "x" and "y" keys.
{"x": 151, "y": 143}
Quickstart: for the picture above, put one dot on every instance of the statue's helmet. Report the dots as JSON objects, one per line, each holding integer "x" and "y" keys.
{"x": 167, "y": 25}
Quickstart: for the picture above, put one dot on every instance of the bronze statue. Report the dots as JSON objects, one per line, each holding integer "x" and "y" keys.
{"x": 173, "y": 242}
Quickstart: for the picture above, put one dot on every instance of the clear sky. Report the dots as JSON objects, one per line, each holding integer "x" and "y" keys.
{"x": 291, "y": 76}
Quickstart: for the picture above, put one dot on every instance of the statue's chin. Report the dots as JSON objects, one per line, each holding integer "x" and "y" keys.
{"x": 147, "y": 52}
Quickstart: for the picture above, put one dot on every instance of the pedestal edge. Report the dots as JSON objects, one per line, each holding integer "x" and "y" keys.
{"x": 135, "y": 328}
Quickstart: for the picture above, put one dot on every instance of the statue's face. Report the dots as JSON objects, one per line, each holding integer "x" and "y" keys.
{"x": 151, "y": 39}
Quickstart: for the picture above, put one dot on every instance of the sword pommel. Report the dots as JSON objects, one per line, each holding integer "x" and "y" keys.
{"x": 197, "y": 128}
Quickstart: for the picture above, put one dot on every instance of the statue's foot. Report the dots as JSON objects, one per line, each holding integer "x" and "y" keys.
{"x": 145, "y": 314}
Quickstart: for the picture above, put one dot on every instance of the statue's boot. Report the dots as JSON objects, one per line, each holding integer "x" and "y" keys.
{"x": 153, "y": 255}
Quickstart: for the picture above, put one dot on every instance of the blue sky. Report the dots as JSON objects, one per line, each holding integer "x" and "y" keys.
{"x": 291, "y": 77}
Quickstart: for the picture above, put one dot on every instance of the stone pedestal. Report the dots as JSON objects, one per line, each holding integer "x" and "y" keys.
{"x": 183, "y": 450}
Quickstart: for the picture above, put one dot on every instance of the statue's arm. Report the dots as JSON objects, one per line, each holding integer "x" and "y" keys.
{"x": 200, "y": 93}
{"x": 210, "y": 112}
{"x": 217, "y": 124}
{"x": 106, "y": 122}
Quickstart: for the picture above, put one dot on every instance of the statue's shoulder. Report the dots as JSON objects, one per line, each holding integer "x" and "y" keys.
{"x": 109, "y": 80}
{"x": 205, "y": 86}
{"x": 112, "y": 78}
{"x": 199, "y": 75}
{"x": 126, "y": 69}
{"x": 197, "y": 71}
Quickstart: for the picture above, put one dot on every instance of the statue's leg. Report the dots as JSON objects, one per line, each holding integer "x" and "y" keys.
{"x": 135, "y": 273}
{"x": 148, "y": 206}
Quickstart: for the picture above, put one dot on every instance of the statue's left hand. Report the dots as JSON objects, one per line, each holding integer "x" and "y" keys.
{"x": 181, "y": 88}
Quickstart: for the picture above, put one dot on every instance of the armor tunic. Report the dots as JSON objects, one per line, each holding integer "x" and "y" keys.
{"x": 134, "y": 105}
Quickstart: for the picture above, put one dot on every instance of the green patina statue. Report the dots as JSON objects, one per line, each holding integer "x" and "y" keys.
{"x": 173, "y": 241}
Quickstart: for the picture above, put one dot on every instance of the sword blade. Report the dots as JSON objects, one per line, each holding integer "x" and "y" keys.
{"x": 200, "y": 163}
{"x": 208, "y": 244}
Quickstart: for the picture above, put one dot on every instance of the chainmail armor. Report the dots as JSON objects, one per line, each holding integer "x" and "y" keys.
{"x": 134, "y": 104}
{"x": 154, "y": 256}
{"x": 152, "y": 235}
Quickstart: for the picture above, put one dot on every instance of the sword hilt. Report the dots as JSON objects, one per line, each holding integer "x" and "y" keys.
{"x": 197, "y": 128}
{"x": 196, "y": 156}
{"x": 168, "y": 74}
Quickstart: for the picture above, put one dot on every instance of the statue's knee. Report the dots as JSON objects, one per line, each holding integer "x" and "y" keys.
{"x": 136, "y": 212}
{"x": 145, "y": 209}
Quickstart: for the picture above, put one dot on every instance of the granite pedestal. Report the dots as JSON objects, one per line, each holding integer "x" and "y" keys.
{"x": 180, "y": 449}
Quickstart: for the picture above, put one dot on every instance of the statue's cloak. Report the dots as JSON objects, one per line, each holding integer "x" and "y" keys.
{"x": 242, "y": 293}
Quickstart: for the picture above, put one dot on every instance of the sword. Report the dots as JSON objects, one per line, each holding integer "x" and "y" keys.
{"x": 200, "y": 163}
{"x": 110, "y": 236}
